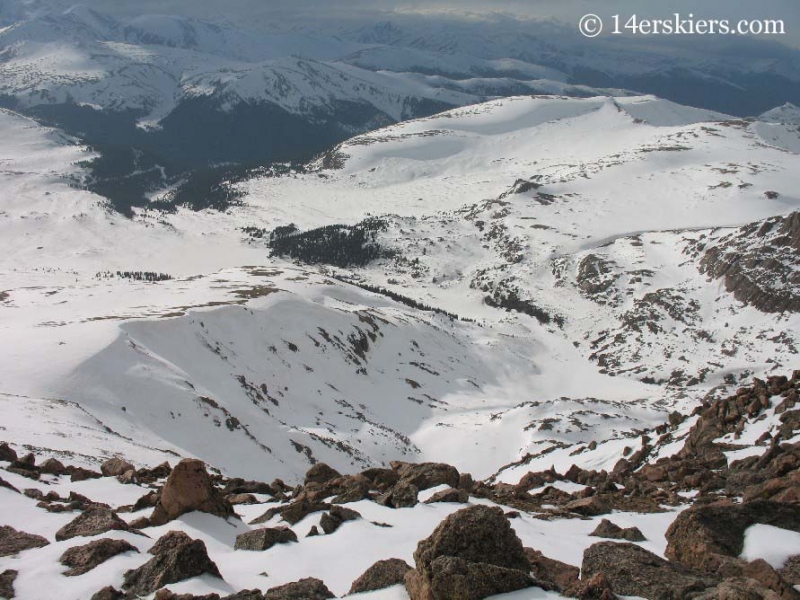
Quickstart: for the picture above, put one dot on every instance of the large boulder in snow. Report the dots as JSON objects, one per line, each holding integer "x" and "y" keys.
{"x": 383, "y": 574}
{"x": 633, "y": 571}
{"x": 82, "y": 559}
{"x": 92, "y": 522}
{"x": 305, "y": 589}
{"x": 176, "y": 557}
{"x": 472, "y": 554}
{"x": 710, "y": 538}
{"x": 189, "y": 488}
{"x": 13, "y": 541}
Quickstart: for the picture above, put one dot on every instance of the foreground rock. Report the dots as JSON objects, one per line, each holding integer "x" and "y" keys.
{"x": 13, "y": 541}
{"x": 189, "y": 488}
{"x": 633, "y": 571}
{"x": 711, "y": 538}
{"x": 82, "y": 559}
{"x": 7, "y": 579}
{"x": 92, "y": 522}
{"x": 264, "y": 539}
{"x": 472, "y": 554}
{"x": 176, "y": 557}
{"x": 305, "y": 589}
{"x": 383, "y": 574}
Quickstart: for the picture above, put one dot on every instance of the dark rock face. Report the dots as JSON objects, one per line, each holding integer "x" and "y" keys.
{"x": 473, "y": 551}
{"x": 305, "y": 589}
{"x": 383, "y": 574}
{"x": 264, "y": 539}
{"x": 189, "y": 488}
{"x": 760, "y": 263}
{"x": 13, "y": 541}
{"x": 176, "y": 557}
{"x": 321, "y": 473}
{"x": 332, "y": 520}
{"x": 92, "y": 522}
{"x": 82, "y": 559}
{"x": 607, "y": 529}
{"x": 710, "y": 538}
{"x": 633, "y": 571}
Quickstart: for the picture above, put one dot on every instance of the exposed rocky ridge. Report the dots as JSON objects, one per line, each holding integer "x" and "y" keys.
{"x": 759, "y": 263}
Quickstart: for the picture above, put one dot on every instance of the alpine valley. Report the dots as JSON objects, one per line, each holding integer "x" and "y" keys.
{"x": 465, "y": 332}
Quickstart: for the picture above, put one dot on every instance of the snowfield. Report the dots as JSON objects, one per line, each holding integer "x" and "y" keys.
{"x": 560, "y": 248}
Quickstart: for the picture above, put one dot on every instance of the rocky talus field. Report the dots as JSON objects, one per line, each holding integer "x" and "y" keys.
{"x": 673, "y": 520}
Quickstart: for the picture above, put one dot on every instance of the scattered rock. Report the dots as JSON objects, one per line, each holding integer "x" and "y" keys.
{"x": 52, "y": 466}
{"x": 427, "y": 475}
{"x": 81, "y": 474}
{"x": 556, "y": 574}
{"x": 92, "y": 522}
{"x": 115, "y": 467}
{"x": 264, "y": 539}
{"x": 236, "y": 499}
{"x": 607, "y": 529}
{"x": 473, "y": 552}
{"x": 108, "y": 593}
{"x": 188, "y": 489}
{"x": 82, "y": 559}
{"x": 633, "y": 571}
{"x": 176, "y": 557}
{"x": 8, "y": 486}
{"x": 13, "y": 541}
{"x": 305, "y": 589}
{"x": 457, "y": 496}
{"x": 7, "y": 453}
{"x": 7, "y": 579}
{"x": 710, "y": 538}
{"x": 383, "y": 574}
{"x": 453, "y": 578}
{"x": 588, "y": 507}
{"x": 402, "y": 495}
{"x": 331, "y": 521}
{"x": 321, "y": 473}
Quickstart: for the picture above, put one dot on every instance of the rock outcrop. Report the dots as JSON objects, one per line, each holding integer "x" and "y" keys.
{"x": 92, "y": 522}
{"x": 263, "y": 539}
{"x": 13, "y": 541}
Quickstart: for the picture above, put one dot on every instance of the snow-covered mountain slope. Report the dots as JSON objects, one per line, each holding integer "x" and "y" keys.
{"x": 592, "y": 220}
